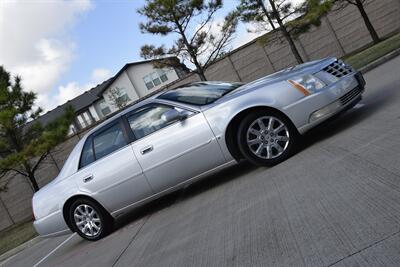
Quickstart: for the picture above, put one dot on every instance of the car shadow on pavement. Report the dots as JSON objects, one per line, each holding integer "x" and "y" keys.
{"x": 218, "y": 179}
{"x": 146, "y": 210}
{"x": 190, "y": 191}
{"x": 342, "y": 121}
{"x": 371, "y": 104}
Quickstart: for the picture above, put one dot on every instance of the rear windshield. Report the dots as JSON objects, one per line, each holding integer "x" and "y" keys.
{"x": 199, "y": 93}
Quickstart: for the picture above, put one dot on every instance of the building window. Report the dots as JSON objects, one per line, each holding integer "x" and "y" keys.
{"x": 148, "y": 82}
{"x": 118, "y": 97}
{"x": 105, "y": 109}
{"x": 72, "y": 130}
{"x": 155, "y": 78}
{"x": 123, "y": 96}
{"x": 84, "y": 119}
{"x": 163, "y": 75}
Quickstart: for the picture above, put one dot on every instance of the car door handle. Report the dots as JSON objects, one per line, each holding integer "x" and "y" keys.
{"x": 146, "y": 149}
{"x": 88, "y": 178}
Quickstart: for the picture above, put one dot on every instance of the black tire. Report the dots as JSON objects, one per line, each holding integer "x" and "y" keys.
{"x": 246, "y": 149}
{"x": 106, "y": 221}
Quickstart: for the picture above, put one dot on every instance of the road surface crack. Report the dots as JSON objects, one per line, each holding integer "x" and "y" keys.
{"x": 130, "y": 242}
{"x": 367, "y": 247}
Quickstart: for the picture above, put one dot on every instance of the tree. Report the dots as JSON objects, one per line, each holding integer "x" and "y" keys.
{"x": 254, "y": 11}
{"x": 193, "y": 22}
{"x": 360, "y": 6}
{"x": 25, "y": 143}
{"x": 292, "y": 20}
{"x": 118, "y": 99}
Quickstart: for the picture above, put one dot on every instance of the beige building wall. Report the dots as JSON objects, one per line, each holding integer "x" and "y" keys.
{"x": 123, "y": 81}
{"x": 137, "y": 72}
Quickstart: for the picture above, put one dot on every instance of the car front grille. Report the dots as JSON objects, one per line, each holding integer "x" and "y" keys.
{"x": 348, "y": 97}
{"x": 338, "y": 68}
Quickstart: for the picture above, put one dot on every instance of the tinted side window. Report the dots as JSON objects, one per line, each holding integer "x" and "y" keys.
{"x": 87, "y": 155}
{"x": 148, "y": 120}
{"x": 108, "y": 141}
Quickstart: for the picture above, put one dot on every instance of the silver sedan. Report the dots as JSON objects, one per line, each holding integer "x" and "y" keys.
{"x": 177, "y": 137}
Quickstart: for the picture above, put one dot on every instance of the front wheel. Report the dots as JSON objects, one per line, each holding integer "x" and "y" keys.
{"x": 89, "y": 219}
{"x": 267, "y": 138}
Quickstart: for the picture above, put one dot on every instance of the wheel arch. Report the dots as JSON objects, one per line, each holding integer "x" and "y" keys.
{"x": 71, "y": 200}
{"x": 233, "y": 125}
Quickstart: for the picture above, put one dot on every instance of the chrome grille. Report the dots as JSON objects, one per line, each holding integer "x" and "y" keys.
{"x": 348, "y": 97}
{"x": 338, "y": 68}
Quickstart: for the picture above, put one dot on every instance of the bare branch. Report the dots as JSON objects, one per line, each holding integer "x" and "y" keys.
{"x": 202, "y": 25}
{"x": 13, "y": 170}
{"x": 41, "y": 158}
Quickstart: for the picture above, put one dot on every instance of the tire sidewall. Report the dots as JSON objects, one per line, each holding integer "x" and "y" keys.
{"x": 104, "y": 218}
{"x": 242, "y": 138}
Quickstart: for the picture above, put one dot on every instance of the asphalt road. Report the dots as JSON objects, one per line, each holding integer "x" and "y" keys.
{"x": 335, "y": 203}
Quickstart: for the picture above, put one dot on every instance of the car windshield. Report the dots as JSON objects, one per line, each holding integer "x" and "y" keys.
{"x": 201, "y": 93}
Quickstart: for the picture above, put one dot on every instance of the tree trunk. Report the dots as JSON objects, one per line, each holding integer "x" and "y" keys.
{"x": 261, "y": 3}
{"x": 371, "y": 29}
{"x": 54, "y": 161}
{"x": 292, "y": 45}
{"x": 285, "y": 33}
{"x": 199, "y": 69}
{"x": 33, "y": 181}
{"x": 201, "y": 74}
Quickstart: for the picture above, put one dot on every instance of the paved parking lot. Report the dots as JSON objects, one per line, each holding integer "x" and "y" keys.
{"x": 335, "y": 203}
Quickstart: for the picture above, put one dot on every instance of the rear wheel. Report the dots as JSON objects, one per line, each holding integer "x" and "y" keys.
{"x": 89, "y": 219}
{"x": 266, "y": 137}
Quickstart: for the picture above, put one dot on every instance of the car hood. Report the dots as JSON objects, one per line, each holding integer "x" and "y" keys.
{"x": 285, "y": 74}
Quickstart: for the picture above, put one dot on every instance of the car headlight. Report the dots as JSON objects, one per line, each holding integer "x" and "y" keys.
{"x": 307, "y": 84}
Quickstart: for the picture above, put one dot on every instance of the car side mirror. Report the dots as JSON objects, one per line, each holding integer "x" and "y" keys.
{"x": 173, "y": 115}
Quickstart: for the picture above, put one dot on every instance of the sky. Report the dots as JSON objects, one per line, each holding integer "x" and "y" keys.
{"x": 62, "y": 48}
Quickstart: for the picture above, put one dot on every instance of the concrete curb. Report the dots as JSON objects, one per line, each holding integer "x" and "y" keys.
{"x": 18, "y": 249}
{"x": 380, "y": 61}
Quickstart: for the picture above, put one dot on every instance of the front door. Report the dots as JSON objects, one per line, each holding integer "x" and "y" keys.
{"x": 172, "y": 152}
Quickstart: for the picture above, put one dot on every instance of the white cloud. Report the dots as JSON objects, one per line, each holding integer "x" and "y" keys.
{"x": 41, "y": 74}
{"x": 73, "y": 89}
{"x": 100, "y": 74}
{"x": 35, "y": 41}
{"x": 246, "y": 33}
{"x": 69, "y": 91}
{"x": 214, "y": 27}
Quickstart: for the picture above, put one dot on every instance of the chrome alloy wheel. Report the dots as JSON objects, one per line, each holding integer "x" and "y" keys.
{"x": 87, "y": 220}
{"x": 267, "y": 137}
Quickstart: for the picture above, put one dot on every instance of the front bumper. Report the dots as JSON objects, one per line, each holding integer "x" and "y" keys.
{"x": 329, "y": 101}
{"x": 52, "y": 225}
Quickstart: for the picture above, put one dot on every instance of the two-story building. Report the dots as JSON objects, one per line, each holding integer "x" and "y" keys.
{"x": 134, "y": 81}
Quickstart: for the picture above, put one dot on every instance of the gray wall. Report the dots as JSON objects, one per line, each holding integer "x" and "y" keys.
{"x": 340, "y": 33}
{"x": 15, "y": 203}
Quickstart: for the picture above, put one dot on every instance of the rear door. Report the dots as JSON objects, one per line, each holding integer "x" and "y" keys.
{"x": 109, "y": 170}
{"x": 170, "y": 153}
